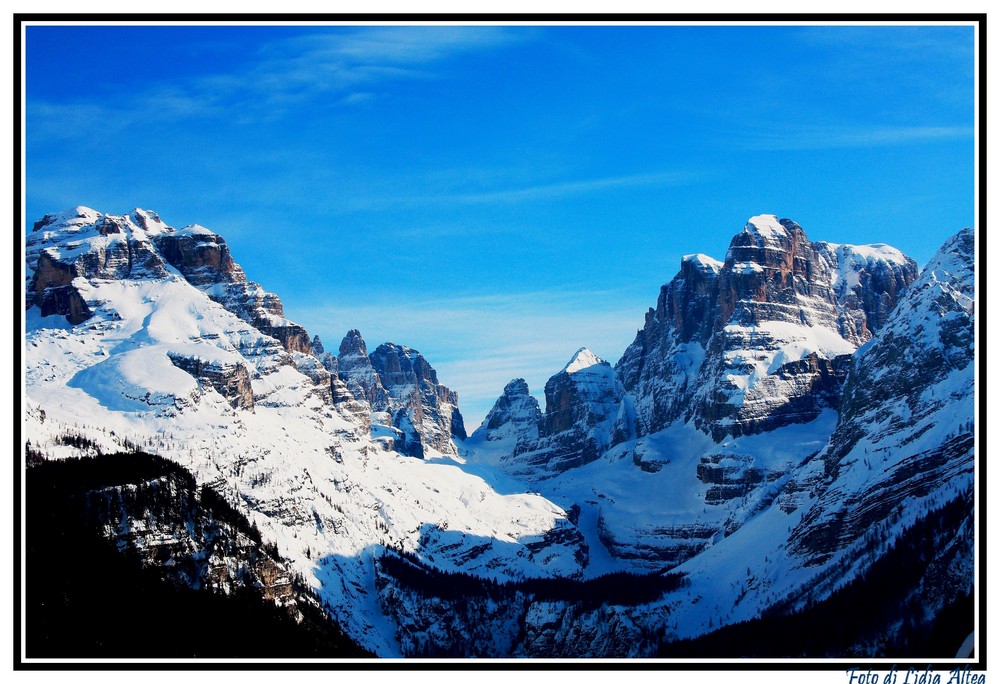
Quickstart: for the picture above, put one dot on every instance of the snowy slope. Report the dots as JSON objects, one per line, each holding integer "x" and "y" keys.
{"x": 156, "y": 365}
{"x": 903, "y": 446}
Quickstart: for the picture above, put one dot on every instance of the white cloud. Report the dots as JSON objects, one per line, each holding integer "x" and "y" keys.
{"x": 834, "y": 137}
{"x": 577, "y": 187}
{"x": 335, "y": 64}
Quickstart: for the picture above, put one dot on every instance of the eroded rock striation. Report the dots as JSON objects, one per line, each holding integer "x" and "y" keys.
{"x": 897, "y": 407}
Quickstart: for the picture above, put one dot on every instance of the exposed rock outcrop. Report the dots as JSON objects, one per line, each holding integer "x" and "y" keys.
{"x": 896, "y": 434}
{"x": 82, "y": 243}
{"x": 401, "y": 390}
{"x": 204, "y": 259}
{"x": 760, "y": 340}
{"x": 231, "y": 380}
{"x": 423, "y": 409}
{"x": 514, "y": 415}
{"x": 660, "y": 368}
{"x": 586, "y": 409}
{"x": 355, "y": 368}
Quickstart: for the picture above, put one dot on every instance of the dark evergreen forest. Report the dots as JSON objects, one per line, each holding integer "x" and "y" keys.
{"x": 86, "y": 598}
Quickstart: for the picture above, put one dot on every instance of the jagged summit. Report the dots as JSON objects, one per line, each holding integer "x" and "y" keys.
{"x": 353, "y": 343}
{"x": 769, "y": 227}
{"x": 582, "y": 358}
{"x": 516, "y": 386}
{"x": 402, "y": 391}
{"x": 703, "y": 261}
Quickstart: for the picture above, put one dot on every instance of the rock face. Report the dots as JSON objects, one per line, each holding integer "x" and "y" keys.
{"x": 231, "y": 380}
{"x": 515, "y": 414}
{"x": 203, "y": 258}
{"x": 398, "y": 383}
{"x": 660, "y": 368}
{"x": 740, "y": 347}
{"x": 586, "y": 410}
{"x": 897, "y": 433}
{"x": 356, "y": 370}
{"x": 82, "y": 243}
{"x": 868, "y": 283}
{"x": 426, "y": 411}
{"x": 762, "y": 339}
{"x": 771, "y": 359}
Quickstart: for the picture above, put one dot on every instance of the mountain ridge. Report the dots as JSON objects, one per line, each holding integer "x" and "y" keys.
{"x": 629, "y": 469}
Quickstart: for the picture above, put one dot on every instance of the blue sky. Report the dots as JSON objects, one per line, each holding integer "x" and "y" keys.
{"x": 498, "y": 196}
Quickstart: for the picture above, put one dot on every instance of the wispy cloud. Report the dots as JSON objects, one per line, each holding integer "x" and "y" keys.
{"x": 548, "y": 191}
{"x": 343, "y": 67}
{"x": 898, "y": 43}
{"x": 443, "y": 193}
{"x": 833, "y": 137}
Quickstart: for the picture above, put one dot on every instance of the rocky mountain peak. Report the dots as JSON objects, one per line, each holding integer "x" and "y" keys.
{"x": 515, "y": 407}
{"x": 700, "y": 262}
{"x": 582, "y": 359}
{"x": 516, "y": 387}
{"x": 401, "y": 367}
{"x": 585, "y": 411}
{"x": 423, "y": 409}
{"x": 766, "y": 228}
{"x": 353, "y": 344}
{"x": 355, "y": 369}
{"x": 202, "y": 257}
{"x": 397, "y": 382}
{"x": 317, "y": 345}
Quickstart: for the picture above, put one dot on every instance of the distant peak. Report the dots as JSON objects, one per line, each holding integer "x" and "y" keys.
{"x": 583, "y": 358}
{"x": 317, "y": 346}
{"x": 703, "y": 261}
{"x": 78, "y": 215}
{"x": 353, "y": 343}
{"x": 766, "y": 226}
{"x": 516, "y": 386}
{"x": 196, "y": 230}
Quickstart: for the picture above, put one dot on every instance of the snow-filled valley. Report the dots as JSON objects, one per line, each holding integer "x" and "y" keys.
{"x": 784, "y": 416}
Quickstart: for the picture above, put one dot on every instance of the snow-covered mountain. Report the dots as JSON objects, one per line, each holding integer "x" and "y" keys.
{"x": 902, "y": 451}
{"x": 586, "y": 410}
{"x": 783, "y": 416}
{"x": 757, "y": 344}
{"x": 759, "y": 341}
{"x": 138, "y": 334}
